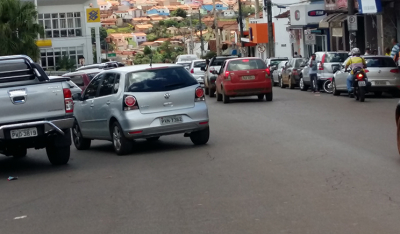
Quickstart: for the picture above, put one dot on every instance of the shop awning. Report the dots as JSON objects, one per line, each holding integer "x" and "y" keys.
{"x": 337, "y": 17}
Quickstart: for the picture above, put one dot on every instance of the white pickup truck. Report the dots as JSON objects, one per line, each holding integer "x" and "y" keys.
{"x": 35, "y": 111}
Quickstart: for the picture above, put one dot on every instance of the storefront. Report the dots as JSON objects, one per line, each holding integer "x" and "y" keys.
{"x": 304, "y": 20}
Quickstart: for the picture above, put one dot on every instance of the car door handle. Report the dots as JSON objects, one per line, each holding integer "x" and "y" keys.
{"x": 108, "y": 103}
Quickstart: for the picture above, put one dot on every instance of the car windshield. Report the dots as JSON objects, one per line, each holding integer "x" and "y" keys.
{"x": 300, "y": 62}
{"x": 159, "y": 80}
{"x": 218, "y": 61}
{"x": 276, "y": 61}
{"x": 380, "y": 62}
{"x": 246, "y": 64}
{"x": 200, "y": 64}
{"x": 336, "y": 57}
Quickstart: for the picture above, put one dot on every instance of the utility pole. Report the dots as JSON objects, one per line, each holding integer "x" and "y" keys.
{"x": 271, "y": 42}
{"x": 257, "y": 9}
{"x": 216, "y": 29}
{"x": 352, "y": 34}
{"x": 240, "y": 23}
{"x": 191, "y": 36}
{"x": 201, "y": 35}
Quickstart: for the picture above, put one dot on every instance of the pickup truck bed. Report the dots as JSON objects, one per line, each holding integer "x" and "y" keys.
{"x": 35, "y": 112}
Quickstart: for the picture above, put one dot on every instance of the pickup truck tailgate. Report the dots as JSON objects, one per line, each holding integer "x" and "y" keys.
{"x": 31, "y": 102}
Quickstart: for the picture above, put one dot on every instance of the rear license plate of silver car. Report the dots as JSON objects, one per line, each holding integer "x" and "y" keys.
{"x": 361, "y": 83}
{"x": 168, "y": 120}
{"x": 380, "y": 82}
{"x": 248, "y": 77}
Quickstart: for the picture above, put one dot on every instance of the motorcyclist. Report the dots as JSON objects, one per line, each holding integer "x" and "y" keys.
{"x": 356, "y": 61}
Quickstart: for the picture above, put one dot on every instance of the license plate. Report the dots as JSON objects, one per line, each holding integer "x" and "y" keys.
{"x": 380, "y": 82}
{"x": 171, "y": 120}
{"x": 248, "y": 77}
{"x": 361, "y": 83}
{"x": 23, "y": 133}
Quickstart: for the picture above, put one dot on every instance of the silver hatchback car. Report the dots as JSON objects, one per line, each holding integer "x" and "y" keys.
{"x": 140, "y": 101}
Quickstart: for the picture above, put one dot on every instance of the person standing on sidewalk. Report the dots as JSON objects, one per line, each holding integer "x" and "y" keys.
{"x": 395, "y": 51}
{"x": 313, "y": 74}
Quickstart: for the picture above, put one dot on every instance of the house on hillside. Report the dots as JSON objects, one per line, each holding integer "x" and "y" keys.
{"x": 151, "y": 44}
{"x": 144, "y": 28}
{"x": 228, "y": 13}
{"x": 218, "y": 5}
{"x": 109, "y": 22}
{"x": 158, "y": 11}
{"x": 104, "y": 6}
{"x": 121, "y": 40}
{"x": 121, "y": 14}
{"x": 127, "y": 3}
{"x": 139, "y": 38}
{"x": 136, "y": 12}
{"x": 141, "y": 20}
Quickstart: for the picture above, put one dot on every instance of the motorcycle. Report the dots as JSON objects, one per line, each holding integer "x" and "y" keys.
{"x": 360, "y": 84}
{"x": 328, "y": 86}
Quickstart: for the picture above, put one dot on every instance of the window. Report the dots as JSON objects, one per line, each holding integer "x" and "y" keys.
{"x": 218, "y": 61}
{"x": 246, "y": 64}
{"x": 336, "y": 57}
{"x": 107, "y": 85}
{"x": 200, "y": 64}
{"x": 380, "y": 62}
{"x": 276, "y": 61}
{"x": 91, "y": 90}
{"x": 159, "y": 80}
{"x": 92, "y": 75}
{"x": 61, "y": 24}
{"x": 50, "y": 57}
{"x": 78, "y": 80}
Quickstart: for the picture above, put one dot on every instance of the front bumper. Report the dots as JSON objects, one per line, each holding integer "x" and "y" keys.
{"x": 47, "y": 126}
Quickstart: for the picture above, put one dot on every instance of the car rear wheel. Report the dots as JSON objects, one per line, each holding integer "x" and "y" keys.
{"x": 225, "y": 98}
{"x": 79, "y": 142}
{"x": 291, "y": 85}
{"x": 219, "y": 96}
{"x": 19, "y": 152}
{"x": 122, "y": 145}
{"x": 281, "y": 83}
{"x": 335, "y": 92}
{"x": 269, "y": 96}
{"x": 200, "y": 137}
{"x": 260, "y": 97}
{"x": 303, "y": 87}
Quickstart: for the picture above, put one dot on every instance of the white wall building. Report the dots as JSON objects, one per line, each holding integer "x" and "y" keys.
{"x": 68, "y": 28}
{"x": 139, "y": 37}
{"x": 228, "y": 13}
{"x": 121, "y": 14}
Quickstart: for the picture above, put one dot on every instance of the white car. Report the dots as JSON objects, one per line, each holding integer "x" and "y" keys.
{"x": 195, "y": 70}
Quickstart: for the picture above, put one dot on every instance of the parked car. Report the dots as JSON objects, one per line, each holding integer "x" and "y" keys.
{"x": 327, "y": 62}
{"x": 244, "y": 77}
{"x": 106, "y": 65}
{"x": 273, "y": 65}
{"x": 211, "y": 73}
{"x": 277, "y": 72}
{"x": 291, "y": 73}
{"x": 35, "y": 112}
{"x": 82, "y": 78}
{"x": 72, "y": 86}
{"x": 382, "y": 73}
{"x": 186, "y": 64}
{"x": 186, "y": 58}
{"x": 195, "y": 70}
{"x": 140, "y": 102}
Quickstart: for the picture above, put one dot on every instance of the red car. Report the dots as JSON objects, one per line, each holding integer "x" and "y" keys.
{"x": 244, "y": 77}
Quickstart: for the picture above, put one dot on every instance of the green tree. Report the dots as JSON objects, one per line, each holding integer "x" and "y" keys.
{"x": 66, "y": 63}
{"x": 147, "y": 50}
{"x": 248, "y": 10}
{"x": 18, "y": 28}
{"x": 103, "y": 35}
{"x": 152, "y": 37}
{"x": 179, "y": 12}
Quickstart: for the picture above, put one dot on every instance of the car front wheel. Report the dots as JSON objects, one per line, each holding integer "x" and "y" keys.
{"x": 200, "y": 137}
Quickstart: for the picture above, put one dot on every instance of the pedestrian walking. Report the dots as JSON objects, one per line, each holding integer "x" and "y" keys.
{"x": 395, "y": 50}
{"x": 295, "y": 55}
{"x": 313, "y": 74}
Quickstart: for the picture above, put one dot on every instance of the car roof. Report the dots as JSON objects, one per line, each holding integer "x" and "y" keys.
{"x": 229, "y": 56}
{"x": 375, "y": 56}
{"x": 241, "y": 58}
{"x": 199, "y": 60}
{"x": 143, "y": 67}
{"x": 278, "y": 58}
{"x": 88, "y": 71}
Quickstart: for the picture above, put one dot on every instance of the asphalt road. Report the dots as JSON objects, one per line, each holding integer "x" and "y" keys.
{"x": 301, "y": 164}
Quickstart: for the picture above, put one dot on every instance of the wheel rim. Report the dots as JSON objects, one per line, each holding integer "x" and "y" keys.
{"x": 117, "y": 138}
{"x": 77, "y": 136}
{"x": 301, "y": 83}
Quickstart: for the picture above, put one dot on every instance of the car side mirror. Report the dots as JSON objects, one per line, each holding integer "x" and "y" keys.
{"x": 77, "y": 97}
{"x": 335, "y": 70}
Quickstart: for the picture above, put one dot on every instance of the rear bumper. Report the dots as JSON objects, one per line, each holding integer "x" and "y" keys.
{"x": 234, "y": 89}
{"x": 137, "y": 125}
{"x": 48, "y": 126}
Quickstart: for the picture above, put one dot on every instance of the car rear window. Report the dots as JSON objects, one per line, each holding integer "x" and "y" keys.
{"x": 218, "y": 61}
{"x": 300, "y": 62}
{"x": 159, "y": 80}
{"x": 246, "y": 64}
{"x": 380, "y": 62}
{"x": 200, "y": 64}
{"x": 277, "y": 61}
{"x": 336, "y": 57}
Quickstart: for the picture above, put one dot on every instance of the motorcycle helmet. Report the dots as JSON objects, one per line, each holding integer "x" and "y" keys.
{"x": 355, "y": 51}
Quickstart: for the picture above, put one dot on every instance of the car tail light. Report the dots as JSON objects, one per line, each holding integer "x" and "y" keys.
{"x": 192, "y": 71}
{"x": 360, "y": 76}
{"x": 245, "y": 60}
{"x": 227, "y": 76}
{"x": 294, "y": 72}
{"x": 130, "y": 103}
{"x": 321, "y": 64}
{"x": 199, "y": 95}
{"x": 395, "y": 71}
{"x": 69, "y": 103}
{"x": 268, "y": 72}
{"x": 366, "y": 70}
